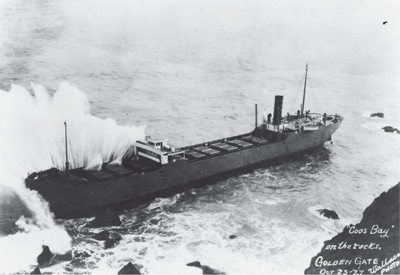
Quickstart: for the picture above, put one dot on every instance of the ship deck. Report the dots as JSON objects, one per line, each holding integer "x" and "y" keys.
{"x": 222, "y": 146}
{"x": 113, "y": 171}
{"x": 192, "y": 153}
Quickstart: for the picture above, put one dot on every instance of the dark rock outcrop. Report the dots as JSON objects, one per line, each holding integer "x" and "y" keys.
{"x": 129, "y": 269}
{"x": 195, "y": 264}
{"x": 81, "y": 254}
{"x": 371, "y": 245}
{"x": 112, "y": 241}
{"x": 381, "y": 115}
{"x": 78, "y": 263}
{"x": 330, "y": 214}
{"x": 102, "y": 236}
{"x": 390, "y": 129}
{"x": 206, "y": 269}
{"x": 78, "y": 260}
{"x": 64, "y": 257}
{"x": 68, "y": 269}
{"x": 36, "y": 271}
{"x": 45, "y": 256}
{"x": 232, "y": 237}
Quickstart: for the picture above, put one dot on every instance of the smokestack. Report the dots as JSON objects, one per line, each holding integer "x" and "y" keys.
{"x": 277, "y": 110}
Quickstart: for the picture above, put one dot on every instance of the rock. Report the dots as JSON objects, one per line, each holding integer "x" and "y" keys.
{"x": 195, "y": 264}
{"x": 81, "y": 254}
{"x": 45, "y": 256}
{"x": 390, "y": 129}
{"x": 36, "y": 271}
{"x": 371, "y": 245}
{"x": 116, "y": 236}
{"x": 111, "y": 239}
{"x": 232, "y": 237}
{"x": 330, "y": 214}
{"x": 206, "y": 269}
{"x": 102, "y": 236}
{"x": 68, "y": 269}
{"x": 107, "y": 218}
{"x": 110, "y": 244}
{"x": 154, "y": 221}
{"x": 129, "y": 269}
{"x": 381, "y": 115}
{"x": 64, "y": 258}
{"x": 78, "y": 263}
{"x": 114, "y": 239}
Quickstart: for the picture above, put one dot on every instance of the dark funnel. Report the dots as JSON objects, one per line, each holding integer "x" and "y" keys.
{"x": 278, "y": 110}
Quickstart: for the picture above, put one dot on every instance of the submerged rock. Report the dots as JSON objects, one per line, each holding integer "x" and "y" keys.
{"x": 36, "y": 271}
{"x": 45, "y": 256}
{"x": 330, "y": 214}
{"x": 381, "y": 115}
{"x": 129, "y": 269}
{"x": 371, "y": 246}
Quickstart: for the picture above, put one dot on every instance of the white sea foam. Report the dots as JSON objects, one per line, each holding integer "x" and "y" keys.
{"x": 270, "y": 201}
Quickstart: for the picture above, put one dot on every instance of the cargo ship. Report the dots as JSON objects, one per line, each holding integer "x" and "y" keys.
{"x": 156, "y": 168}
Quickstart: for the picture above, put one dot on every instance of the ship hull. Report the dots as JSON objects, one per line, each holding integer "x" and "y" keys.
{"x": 75, "y": 198}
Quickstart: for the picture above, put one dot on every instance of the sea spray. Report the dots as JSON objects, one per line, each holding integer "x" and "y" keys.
{"x": 32, "y": 139}
{"x": 32, "y": 127}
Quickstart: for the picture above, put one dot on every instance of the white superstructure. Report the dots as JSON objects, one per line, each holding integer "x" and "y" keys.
{"x": 158, "y": 150}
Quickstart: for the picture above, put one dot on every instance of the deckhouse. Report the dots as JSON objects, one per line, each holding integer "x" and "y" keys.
{"x": 158, "y": 150}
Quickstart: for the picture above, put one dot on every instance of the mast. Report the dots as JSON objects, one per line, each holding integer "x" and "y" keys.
{"x": 66, "y": 150}
{"x": 304, "y": 93}
{"x": 256, "y": 115}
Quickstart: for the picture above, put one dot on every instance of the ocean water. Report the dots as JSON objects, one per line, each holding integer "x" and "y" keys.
{"x": 191, "y": 71}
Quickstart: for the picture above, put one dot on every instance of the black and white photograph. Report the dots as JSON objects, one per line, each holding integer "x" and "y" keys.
{"x": 199, "y": 137}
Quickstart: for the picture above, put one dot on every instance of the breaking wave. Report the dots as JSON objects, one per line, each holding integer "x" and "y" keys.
{"x": 32, "y": 139}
